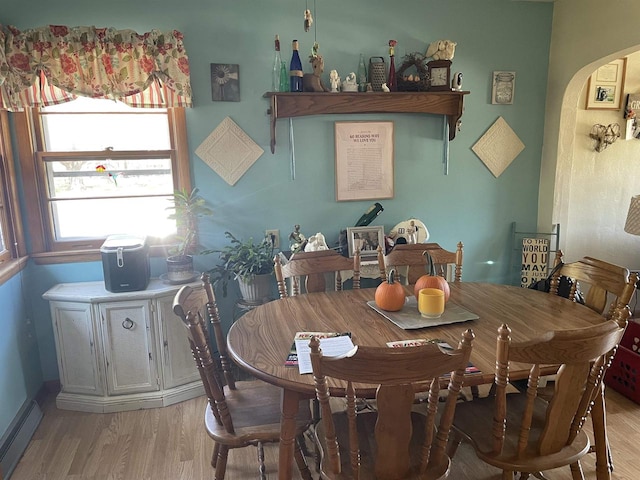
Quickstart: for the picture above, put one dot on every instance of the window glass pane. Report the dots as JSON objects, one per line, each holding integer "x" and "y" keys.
{"x": 96, "y": 132}
{"x": 99, "y": 218}
{"x": 90, "y": 124}
{"x": 98, "y": 178}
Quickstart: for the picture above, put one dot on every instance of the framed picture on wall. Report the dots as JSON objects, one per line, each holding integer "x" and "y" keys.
{"x": 366, "y": 240}
{"x": 606, "y": 86}
{"x": 364, "y": 160}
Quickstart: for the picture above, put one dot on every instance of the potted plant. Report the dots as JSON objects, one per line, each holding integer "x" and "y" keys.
{"x": 249, "y": 262}
{"x": 186, "y": 209}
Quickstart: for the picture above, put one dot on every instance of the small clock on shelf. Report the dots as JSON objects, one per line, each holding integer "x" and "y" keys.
{"x": 439, "y": 75}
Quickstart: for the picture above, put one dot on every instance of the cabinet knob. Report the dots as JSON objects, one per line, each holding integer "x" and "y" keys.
{"x": 127, "y": 323}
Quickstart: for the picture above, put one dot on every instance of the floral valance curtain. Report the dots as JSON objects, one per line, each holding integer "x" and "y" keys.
{"x": 53, "y": 64}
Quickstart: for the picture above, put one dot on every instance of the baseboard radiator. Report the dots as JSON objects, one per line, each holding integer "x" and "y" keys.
{"x": 14, "y": 442}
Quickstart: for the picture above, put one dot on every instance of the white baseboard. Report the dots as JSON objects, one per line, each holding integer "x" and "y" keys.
{"x": 16, "y": 439}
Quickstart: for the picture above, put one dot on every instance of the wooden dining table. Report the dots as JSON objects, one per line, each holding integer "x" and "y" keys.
{"x": 260, "y": 340}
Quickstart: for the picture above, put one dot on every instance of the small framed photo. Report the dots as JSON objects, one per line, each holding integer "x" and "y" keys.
{"x": 365, "y": 239}
{"x": 606, "y": 86}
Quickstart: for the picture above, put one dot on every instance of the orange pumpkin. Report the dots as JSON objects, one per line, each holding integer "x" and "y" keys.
{"x": 431, "y": 280}
{"x": 390, "y": 296}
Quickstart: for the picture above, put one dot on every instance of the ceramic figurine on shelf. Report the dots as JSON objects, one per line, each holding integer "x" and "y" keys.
{"x": 312, "y": 82}
{"x": 334, "y": 78}
{"x": 441, "y": 50}
{"x": 456, "y": 81}
{"x": 350, "y": 84}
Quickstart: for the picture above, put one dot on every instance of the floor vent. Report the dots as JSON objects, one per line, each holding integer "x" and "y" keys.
{"x": 15, "y": 441}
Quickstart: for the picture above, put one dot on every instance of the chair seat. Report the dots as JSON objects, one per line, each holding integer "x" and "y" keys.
{"x": 477, "y": 420}
{"x": 366, "y": 430}
{"x": 255, "y": 410}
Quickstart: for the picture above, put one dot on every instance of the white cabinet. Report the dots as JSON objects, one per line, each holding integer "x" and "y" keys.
{"x": 120, "y": 351}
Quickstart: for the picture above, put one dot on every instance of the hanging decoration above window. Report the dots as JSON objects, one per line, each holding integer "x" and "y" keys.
{"x": 53, "y": 64}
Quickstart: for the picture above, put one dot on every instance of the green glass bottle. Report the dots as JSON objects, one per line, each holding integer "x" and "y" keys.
{"x": 284, "y": 78}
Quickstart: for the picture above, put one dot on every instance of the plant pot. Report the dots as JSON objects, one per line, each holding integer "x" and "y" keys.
{"x": 180, "y": 269}
{"x": 255, "y": 289}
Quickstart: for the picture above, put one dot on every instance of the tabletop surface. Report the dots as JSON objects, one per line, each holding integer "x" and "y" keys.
{"x": 260, "y": 340}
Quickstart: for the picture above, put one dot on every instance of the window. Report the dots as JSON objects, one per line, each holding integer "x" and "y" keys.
{"x": 102, "y": 167}
{"x": 11, "y": 239}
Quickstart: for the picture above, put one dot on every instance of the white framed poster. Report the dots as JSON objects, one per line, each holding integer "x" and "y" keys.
{"x": 364, "y": 160}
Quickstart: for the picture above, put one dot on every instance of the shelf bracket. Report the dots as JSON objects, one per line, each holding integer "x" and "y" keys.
{"x": 445, "y": 144}
{"x": 273, "y": 112}
{"x": 292, "y": 149}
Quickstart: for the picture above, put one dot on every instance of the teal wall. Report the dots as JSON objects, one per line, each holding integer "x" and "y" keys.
{"x": 469, "y": 204}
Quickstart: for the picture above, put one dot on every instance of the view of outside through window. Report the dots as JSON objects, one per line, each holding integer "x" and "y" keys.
{"x": 92, "y": 194}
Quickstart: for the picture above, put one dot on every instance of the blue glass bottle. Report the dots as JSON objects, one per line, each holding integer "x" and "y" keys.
{"x": 295, "y": 69}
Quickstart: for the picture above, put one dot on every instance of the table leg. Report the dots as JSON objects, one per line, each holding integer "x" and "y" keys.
{"x": 290, "y": 403}
{"x": 604, "y": 462}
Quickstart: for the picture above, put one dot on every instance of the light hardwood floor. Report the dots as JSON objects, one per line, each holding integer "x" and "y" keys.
{"x": 170, "y": 444}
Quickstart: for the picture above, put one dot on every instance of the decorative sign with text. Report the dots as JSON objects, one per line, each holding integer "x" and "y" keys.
{"x": 535, "y": 258}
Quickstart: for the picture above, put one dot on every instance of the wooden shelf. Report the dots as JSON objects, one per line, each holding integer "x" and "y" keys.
{"x": 286, "y": 105}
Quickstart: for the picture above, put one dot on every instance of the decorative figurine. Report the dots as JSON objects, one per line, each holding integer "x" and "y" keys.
{"x": 298, "y": 240}
{"x": 350, "y": 84}
{"x": 441, "y": 50}
{"x": 385, "y": 88}
{"x": 335, "y": 81}
{"x": 456, "y": 81}
{"x": 312, "y": 82}
{"x": 316, "y": 243}
{"x": 308, "y": 20}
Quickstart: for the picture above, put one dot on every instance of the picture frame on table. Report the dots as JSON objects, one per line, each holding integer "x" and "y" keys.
{"x": 366, "y": 240}
{"x": 606, "y": 86}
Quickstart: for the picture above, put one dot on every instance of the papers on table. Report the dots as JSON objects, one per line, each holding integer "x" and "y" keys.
{"x": 331, "y": 347}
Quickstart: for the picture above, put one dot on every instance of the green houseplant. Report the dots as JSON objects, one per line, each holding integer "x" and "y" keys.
{"x": 249, "y": 262}
{"x": 186, "y": 208}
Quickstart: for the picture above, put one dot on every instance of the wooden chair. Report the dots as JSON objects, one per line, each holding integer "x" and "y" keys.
{"x": 521, "y": 432}
{"x": 248, "y": 412}
{"x": 393, "y": 442}
{"x": 412, "y": 256}
{"x": 306, "y": 271}
{"x": 600, "y": 283}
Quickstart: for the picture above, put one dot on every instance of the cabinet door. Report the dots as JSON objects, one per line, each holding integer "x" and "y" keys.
{"x": 128, "y": 344}
{"x": 76, "y": 348}
{"x": 178, "y": 365}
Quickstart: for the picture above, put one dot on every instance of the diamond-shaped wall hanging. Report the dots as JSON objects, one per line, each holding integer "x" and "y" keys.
{"x": 498, "y": 147}
{"x": 229, "y": 151}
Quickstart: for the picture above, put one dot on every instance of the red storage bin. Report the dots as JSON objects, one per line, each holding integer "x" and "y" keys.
{"x": 624, "y": 373}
